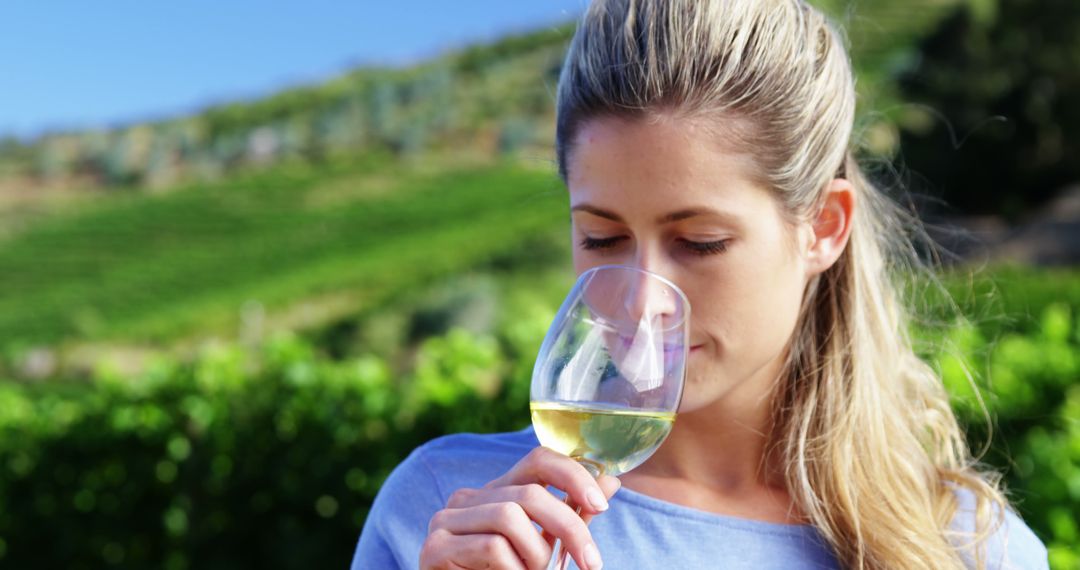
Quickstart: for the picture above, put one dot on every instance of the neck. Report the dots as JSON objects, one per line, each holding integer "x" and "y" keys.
{"x": 717, "y": 458}
{"x": 716, "y": 446}
{"x": 724, "y": 445}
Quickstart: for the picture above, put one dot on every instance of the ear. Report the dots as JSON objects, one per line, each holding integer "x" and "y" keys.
{"x": 831, "y": 227}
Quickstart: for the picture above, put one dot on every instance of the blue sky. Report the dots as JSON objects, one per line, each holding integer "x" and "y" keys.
{"x": 79, "y": 64}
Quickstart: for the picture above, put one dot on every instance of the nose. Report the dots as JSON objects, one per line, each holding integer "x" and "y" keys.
{"x": 649, "y": 298}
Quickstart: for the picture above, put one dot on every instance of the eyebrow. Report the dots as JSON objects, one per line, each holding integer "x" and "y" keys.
{"x": 665, "y": 219}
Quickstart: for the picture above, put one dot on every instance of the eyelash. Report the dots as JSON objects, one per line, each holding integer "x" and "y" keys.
{"x": 695, "y": 247}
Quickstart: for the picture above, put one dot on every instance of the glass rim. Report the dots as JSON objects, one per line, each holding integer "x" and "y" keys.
{"x": 685, "y": 301}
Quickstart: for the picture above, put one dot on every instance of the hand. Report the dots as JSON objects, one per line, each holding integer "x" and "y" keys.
{"x": 492, "y": 527}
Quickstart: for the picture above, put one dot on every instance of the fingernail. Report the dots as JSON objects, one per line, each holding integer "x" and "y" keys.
{"x": 596, "y": 499}
{"x": 592, "y": 557}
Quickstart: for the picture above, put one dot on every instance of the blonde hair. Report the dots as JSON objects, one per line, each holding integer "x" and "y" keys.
{"x": 870, "y": 449}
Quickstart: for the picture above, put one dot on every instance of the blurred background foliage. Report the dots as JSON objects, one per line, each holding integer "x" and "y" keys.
{"x": 219, "y": 332}
{"x": 993, "y": 122}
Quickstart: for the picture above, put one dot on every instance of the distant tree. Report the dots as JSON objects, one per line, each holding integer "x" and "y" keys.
{"x": 514, "y": 133}
{"x": 293, "y": 135}
{"x": 995, "y": 121}
{"x": 205, "y": 166}
{"x": 438, "y": 94}
{"x": 188, "y": 140}
{"x": 340, "y": 127}
{"x": 10, "y": 146}
{"x": 90, "y": 156}
{"x": 49, "y": 161}
{"x": 383, "y": 103}
{"x": 475, "y": 58}
{"x": 118, "y": 160}
{"x": 263, "y": 145}
{"x": 160, "y": 167}
{"x": 410, "y": 140}
{"x": 229, "y": 148}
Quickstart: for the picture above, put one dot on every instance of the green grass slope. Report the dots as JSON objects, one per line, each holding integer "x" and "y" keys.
{"x": 150, "y": 268}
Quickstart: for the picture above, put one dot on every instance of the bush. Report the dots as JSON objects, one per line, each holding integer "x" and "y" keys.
{"x": 238, "y": 459}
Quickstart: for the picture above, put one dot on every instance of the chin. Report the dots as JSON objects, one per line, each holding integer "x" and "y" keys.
{"x": 700, "y": 392}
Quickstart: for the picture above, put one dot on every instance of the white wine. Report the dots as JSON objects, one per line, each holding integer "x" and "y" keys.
{"x": 615, "y": 439}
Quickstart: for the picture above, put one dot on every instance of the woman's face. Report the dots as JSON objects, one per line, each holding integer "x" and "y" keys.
{"x": 667, "y": 197}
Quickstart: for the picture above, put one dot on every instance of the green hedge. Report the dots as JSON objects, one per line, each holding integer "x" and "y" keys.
{"x": 270, "y": 456}
{"x": 239, "y": 459}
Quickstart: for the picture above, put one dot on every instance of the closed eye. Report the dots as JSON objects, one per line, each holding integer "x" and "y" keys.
{"x": 600, "y": 243}
{"x": 696, "y": 247}
{"x": 705, "y": 247}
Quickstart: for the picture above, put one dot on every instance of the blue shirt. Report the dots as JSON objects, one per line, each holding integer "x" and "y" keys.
{"x": 637, "y": 531}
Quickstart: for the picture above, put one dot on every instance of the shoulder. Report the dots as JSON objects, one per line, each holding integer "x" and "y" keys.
{"x": 421, "y": 484}
{"x": 1010, "y": 545}
{"x": 490, "y": 446}
{"x": 450, "y": 462}
{"x": 471, "y": 460}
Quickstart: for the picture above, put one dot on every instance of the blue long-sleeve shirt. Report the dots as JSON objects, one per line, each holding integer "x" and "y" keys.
{"x": 637, "y": 531}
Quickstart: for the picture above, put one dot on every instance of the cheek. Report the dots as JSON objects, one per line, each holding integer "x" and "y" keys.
{"x": 752, "y": 305}
{"x": 776, "y": 280}
{"x": 581, "y": 263}
{"x": 585, "y": 260}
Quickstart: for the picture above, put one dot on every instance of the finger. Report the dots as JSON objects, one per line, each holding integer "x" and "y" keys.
{"x": 506, "y": 518}
{"x": 549, "y": 467}
{"x": 556, "y": 518}
{"x": 443, "y": 549}
{"x": 609, "y": 485}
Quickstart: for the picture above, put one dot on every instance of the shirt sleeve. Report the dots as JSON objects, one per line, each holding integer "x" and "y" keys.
{"x": 397, "y": 524}
{"x": 1023, "y": 550}
{"x": 1012, "y": 546}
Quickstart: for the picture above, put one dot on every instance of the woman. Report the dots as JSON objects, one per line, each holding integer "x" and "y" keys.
{"x": 709, "y": 142}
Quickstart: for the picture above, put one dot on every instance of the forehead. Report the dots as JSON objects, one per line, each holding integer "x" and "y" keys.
{"x": 661, "y": 164}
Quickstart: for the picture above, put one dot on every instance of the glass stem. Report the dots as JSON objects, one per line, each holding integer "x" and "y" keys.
{"x": 559, "y": 559}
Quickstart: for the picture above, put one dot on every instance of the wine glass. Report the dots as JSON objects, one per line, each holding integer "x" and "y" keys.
{"x": 609, "y": 376}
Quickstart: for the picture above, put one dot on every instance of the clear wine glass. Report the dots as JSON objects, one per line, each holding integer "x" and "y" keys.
{"x": 609, "y": 376}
